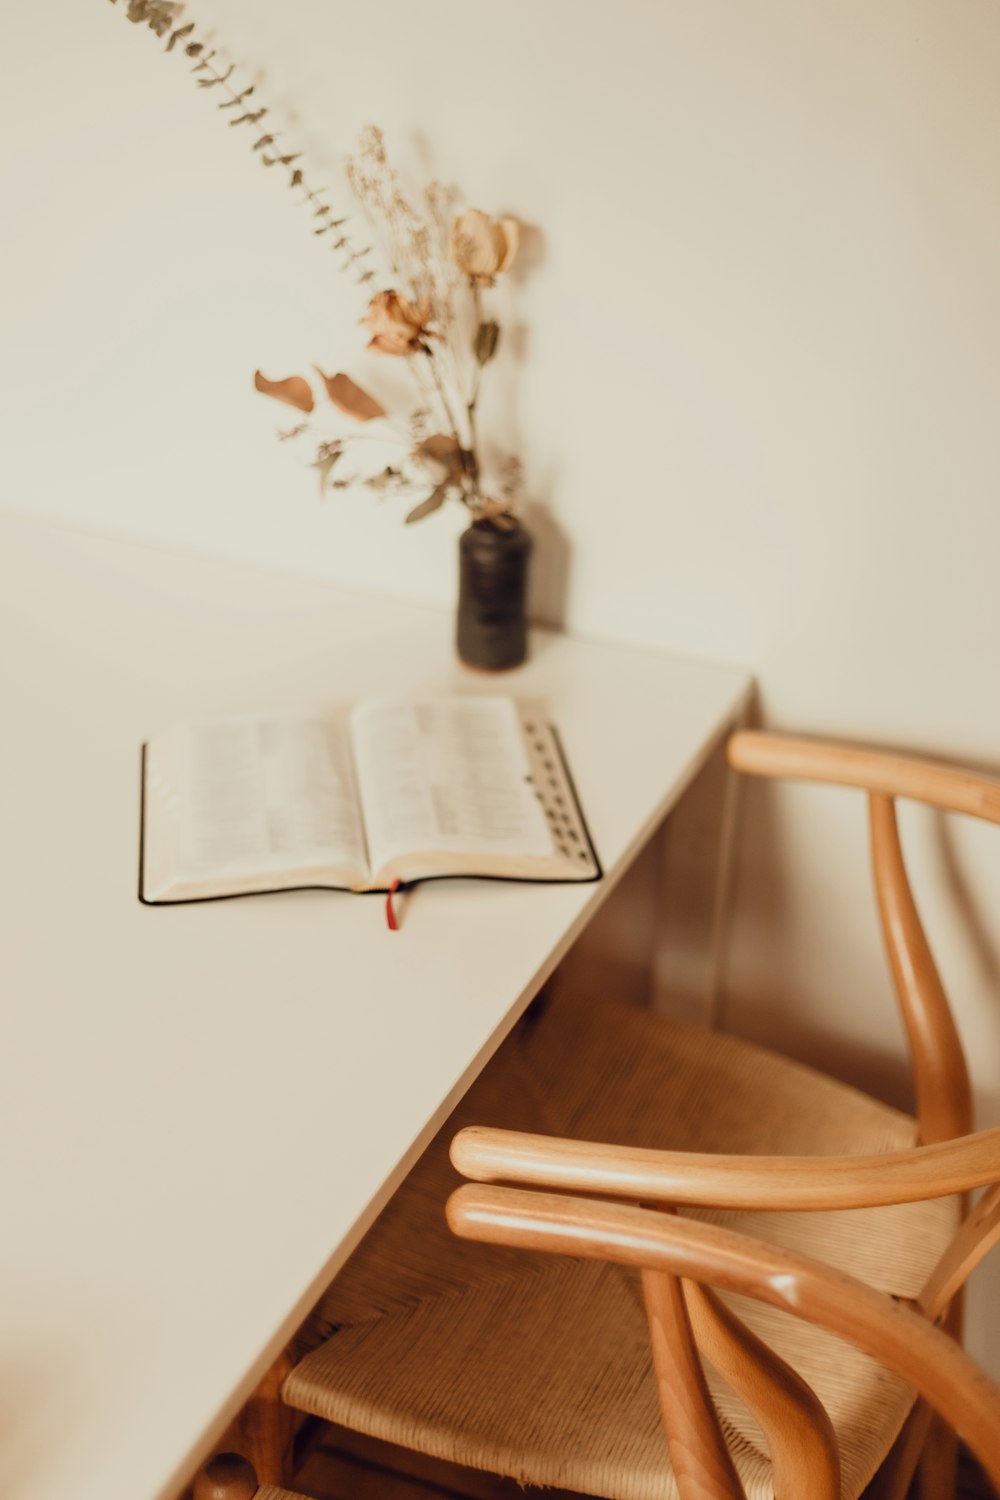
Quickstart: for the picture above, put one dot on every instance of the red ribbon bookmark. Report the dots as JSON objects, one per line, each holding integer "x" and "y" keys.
{"x": 390, "y": 913}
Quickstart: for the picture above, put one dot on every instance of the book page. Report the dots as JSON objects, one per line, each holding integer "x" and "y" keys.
{"x": 449, "y": 775}
{"x": 262, "y": 796}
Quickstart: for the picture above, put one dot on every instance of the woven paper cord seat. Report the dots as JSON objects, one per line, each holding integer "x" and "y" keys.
{"x": 539, "y": 1367}
{"x": 268, "y": 1492}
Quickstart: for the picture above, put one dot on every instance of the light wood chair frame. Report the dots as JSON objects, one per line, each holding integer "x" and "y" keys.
{"x": 682, "y": 1261}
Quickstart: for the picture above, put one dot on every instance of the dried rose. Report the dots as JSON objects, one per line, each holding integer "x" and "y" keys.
{"x": 482, "y": 247}
{"x": 398, "y": 326}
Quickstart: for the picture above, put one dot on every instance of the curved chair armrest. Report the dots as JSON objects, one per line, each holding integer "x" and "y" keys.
{"x": 737, "y": 1182}
{"x": 883, "y": 772}
{"x": 923, "y": 1356}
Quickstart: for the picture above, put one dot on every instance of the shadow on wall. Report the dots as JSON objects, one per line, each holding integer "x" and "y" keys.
{"x": 882, "y": 1074}
{"x": 774, "y": 923}
{"x": 764, "y": 999}
{"x": 977, "y": 928}
{"x": 548, "y": 586}
{"x": 548, "y": 582}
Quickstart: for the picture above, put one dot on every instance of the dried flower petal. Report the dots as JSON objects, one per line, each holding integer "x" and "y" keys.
{"x": 350, "y": 398}
{"x": 295, "y": 391}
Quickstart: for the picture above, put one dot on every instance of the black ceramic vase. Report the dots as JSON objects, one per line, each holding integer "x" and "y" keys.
{"x": 492, "y": 595}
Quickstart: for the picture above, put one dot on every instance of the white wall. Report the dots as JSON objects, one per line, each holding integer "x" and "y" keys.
{"x": 756, "y": 386}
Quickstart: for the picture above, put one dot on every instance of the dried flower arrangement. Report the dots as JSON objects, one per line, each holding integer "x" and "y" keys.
{"x": 431, "y": 315}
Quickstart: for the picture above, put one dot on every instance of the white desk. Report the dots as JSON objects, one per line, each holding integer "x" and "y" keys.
{"x": 202, "y": 1107}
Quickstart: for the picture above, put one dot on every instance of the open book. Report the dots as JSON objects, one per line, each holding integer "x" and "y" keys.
{"x": 391, "y": 791}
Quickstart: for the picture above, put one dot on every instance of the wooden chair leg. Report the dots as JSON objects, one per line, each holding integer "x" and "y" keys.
{"x": 225, "y": 1477}
{"x": 264, "y": 1431}
{"x": 893, "y": 1480}
{"x": 937, "y": 1474}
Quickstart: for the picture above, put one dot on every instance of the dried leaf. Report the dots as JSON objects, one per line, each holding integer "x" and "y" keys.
{"x": 295, "y": 391}
{"x": 384, "y": 479}
{"x": 296, "y": 179}
{"x": 326, "y": 457}
{"x": 419, "y": 423}
{"x": 179, "y": 35}
{"x": 427, "y": 507}
{"x": 239, "y": 98}
{"x": 487, "y": 338}
{"x": 265, "y": 140}
{"x": 350, "y": 398}
{"x": 158, "y": 15}
{"x": 442, "y": 454}
{"x": 440, "y": 447}
{"x": 511, "y": 478}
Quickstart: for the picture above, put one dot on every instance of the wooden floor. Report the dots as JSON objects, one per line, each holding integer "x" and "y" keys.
{"x": 344, "y": 1466}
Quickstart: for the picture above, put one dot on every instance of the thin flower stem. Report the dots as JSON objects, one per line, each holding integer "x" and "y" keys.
{"x": 473, "y": 443}
{"x": 427, "y": 392}
{"x": 477, "y": 303}
{"x": 374, "y": 226}
{"x": 395, "y": 435}
{"x": 436, "y": 375}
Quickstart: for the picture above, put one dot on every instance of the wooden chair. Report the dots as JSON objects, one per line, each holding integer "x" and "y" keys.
{"x": 229, "y": 1476}
{"x": 532, "y": 1353}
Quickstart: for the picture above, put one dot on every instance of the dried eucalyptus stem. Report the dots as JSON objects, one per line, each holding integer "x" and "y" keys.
{"x": 159, "y": 16}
